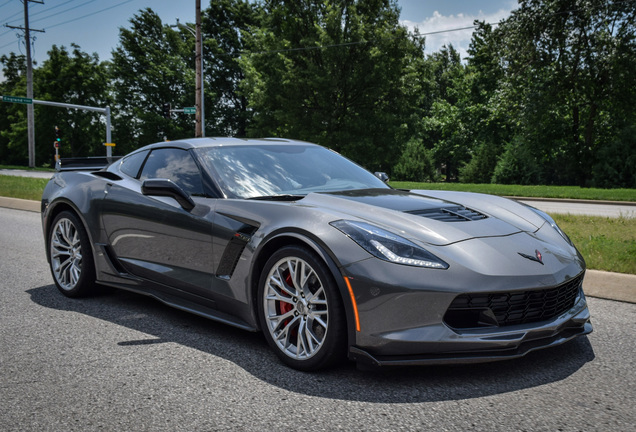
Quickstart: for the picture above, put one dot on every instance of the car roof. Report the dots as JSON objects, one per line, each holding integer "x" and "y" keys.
{"x": 190, "y": 143}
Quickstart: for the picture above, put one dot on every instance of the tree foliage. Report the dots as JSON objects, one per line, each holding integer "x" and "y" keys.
{"x": 546, "y": 96}
{"x": 150, "y": 68}
{"x": 225, "y": 25}
{"x": 69, "y": 77}
{"x": 567, "y": 74}
{"x": 332, "y": 72}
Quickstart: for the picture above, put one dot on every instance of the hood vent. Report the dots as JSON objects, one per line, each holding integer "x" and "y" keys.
{"x": 450, "y": 214}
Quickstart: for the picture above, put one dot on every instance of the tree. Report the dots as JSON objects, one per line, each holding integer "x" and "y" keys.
{"x": 75, "y": 78}
{"x": 13, "y": 141}
{"x": 487, "y": 118}
{"x": 443, "y": 126}
{"x": 332, "y": 72}
{"x": 566, "y": 68}
{"x": 224, "y": 24}
{"x": 149, "y": 69}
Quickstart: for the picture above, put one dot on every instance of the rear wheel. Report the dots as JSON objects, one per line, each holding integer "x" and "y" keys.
{"x": 300, "y": 310}
{"x": 70, "y": 256}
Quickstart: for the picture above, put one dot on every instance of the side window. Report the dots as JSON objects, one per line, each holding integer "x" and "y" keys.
{"x": 176, "y": 165}
{"x": 130, "y": 165}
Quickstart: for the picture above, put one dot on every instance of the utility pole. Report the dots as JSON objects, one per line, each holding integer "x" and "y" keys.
{"x": 200, "y": 79}
{"x": 198, "y": 131}
{"x": 29, "y": 65}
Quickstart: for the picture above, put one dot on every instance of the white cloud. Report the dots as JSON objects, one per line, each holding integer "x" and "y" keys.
{"x": 460, "y": 39}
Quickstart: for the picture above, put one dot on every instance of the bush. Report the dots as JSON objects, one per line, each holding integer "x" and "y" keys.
{"x": 617, "y": 162}
{"x": 481, "y": 167}
{"x": 517, "y": 165}
{"x": 415, "y": 163}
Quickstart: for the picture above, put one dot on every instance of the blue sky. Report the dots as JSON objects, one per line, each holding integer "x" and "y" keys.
{"x": 94, "y": 24}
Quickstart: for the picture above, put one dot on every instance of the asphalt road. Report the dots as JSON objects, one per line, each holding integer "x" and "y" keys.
{"x": 120, "y": 361}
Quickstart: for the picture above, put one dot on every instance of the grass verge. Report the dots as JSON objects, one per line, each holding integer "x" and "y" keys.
{"x": 22, "y": 187}
{"x": 570, "y": 192}
{"x": 606, "y": 243}
{"x": 17, "y": 167}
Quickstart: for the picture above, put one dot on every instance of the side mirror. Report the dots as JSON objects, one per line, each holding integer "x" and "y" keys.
{"x": 382, "y": 176}
{"x": 166, "y": 187}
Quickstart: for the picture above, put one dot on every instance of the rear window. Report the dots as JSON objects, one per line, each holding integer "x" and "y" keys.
{"x": 131, "y": 164}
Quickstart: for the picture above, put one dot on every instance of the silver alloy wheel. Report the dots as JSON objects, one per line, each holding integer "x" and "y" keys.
{"x": 296, "y": 309}
{"x": 66, "y": 254}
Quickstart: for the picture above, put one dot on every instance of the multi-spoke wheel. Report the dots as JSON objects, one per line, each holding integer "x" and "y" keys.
{"x": 70, "y": 255}
{"x": 300, "y": 310}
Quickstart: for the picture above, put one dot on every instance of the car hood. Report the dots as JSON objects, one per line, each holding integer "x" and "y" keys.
{"x": 435, "y": 217}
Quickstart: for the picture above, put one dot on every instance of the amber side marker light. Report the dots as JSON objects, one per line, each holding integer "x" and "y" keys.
{"x": 353, "y": 302}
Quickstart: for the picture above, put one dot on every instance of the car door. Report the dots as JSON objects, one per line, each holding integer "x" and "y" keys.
{"x": 154, "y": 237}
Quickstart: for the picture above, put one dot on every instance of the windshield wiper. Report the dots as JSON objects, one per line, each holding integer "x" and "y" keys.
{"x": 281, "y": 197}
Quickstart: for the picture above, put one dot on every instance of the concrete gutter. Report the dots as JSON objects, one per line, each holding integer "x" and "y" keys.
{"x": 601, "y": 284}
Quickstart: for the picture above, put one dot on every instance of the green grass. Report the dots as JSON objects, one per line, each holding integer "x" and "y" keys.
{"x": 572, "y": 192}
{"x": 22, "y": 187}
{"x": 17, "y": 167}
{"x": 606, "y": 243}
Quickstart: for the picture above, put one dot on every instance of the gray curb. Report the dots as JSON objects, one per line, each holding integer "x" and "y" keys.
{"x": 601, "y": 284}
{"x": 20, "y": 204}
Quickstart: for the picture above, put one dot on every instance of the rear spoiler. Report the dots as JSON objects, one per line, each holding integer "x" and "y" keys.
{"x": 84, "y": 163}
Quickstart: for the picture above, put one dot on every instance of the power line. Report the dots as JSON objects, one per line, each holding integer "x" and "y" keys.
{"x": 4, "y": 46}
{"x": 9, "y": 19}
{"x": 54, "y": 7}
{"x": 90, "y": 14}
{"x": 64, "y": 11}
{"x": 71, "y": 20}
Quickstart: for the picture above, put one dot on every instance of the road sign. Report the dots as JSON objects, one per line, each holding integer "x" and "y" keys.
{"x": 190, "y": 110}
{"x": 17, "y": 99}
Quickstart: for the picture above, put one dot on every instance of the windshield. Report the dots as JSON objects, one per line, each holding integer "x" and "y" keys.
{"x": 275, "y": 170}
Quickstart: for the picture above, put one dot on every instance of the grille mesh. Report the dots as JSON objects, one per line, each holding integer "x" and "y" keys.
{"x": 505, "y": 309}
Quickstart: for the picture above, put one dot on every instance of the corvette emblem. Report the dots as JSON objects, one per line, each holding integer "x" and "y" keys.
{"x": 537, "y": 256}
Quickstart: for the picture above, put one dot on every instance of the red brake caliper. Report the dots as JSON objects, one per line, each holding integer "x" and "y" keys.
{"x": 284, "y": 307}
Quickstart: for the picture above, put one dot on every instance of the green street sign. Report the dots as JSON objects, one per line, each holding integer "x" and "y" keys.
{"x": 17, "y": 99}
{"x": 190, "y": 110}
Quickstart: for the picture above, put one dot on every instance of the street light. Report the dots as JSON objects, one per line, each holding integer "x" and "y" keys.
{"x": 199, "y": 59}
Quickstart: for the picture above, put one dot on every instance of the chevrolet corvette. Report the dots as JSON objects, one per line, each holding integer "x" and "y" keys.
{"x": 323, "y": 257}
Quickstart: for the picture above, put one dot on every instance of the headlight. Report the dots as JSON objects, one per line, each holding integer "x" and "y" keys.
{"x": 553, "y": 224}
{"x": 388, "y": 246}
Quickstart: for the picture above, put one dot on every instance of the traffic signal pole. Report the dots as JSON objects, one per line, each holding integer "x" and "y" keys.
{"x": 106, "y": 111}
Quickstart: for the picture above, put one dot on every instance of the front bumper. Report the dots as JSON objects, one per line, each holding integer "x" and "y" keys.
{"x": 446, "y": 346}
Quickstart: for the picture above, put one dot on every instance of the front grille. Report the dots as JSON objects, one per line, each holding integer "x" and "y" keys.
{"x": 450, "y": 214}
{"x": 505, "y": 309}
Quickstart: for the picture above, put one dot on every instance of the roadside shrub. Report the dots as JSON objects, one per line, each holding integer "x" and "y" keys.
{"x": 415, "y": 163}
{"x": 616, "y": 166}
{"x": 481, "y": 167}
{"x": 517, "y": 165}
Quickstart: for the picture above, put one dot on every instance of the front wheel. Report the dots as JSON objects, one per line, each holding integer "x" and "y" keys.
{"x": 70, "y": 256}
{"x": 300, "y": 310}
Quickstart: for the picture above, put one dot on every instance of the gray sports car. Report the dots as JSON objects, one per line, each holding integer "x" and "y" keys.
{"x": 328, "y": 261}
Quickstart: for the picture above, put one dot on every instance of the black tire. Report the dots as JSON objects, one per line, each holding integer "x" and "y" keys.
{"x": 70, "y": 256}
{"x": 300, "y": 310}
